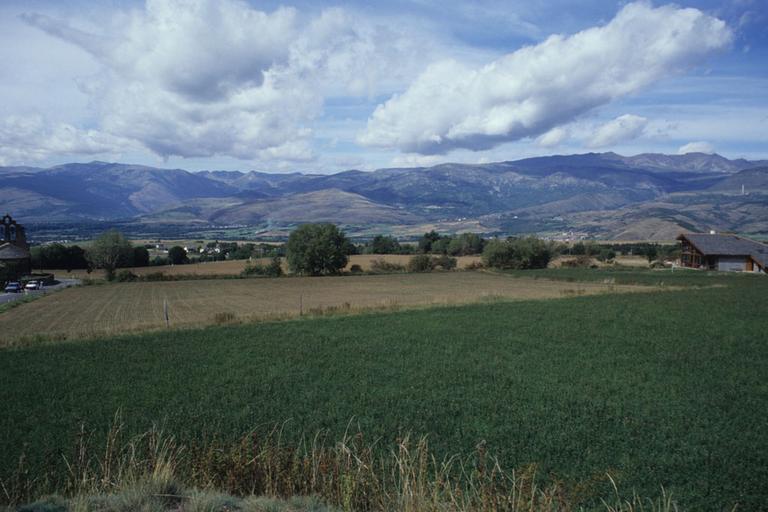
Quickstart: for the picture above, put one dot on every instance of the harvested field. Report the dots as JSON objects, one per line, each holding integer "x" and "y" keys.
{"x": 126, "y": 307}
{"x": 234, "y": 267}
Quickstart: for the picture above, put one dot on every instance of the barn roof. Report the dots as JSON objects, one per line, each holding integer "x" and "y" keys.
{"x": 12, "y": 252}
{"x": 728, "y": 245}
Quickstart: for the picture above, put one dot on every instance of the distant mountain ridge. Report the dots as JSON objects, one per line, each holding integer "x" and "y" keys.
{"x": 600, "y": 194}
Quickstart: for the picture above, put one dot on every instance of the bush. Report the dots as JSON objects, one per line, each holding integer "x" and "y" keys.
{"x": 273, "y": 269}
{"x": 154, "y": 276}
{"x": 579, "y": 249}
{"x": 444, "y": 262}
{"x": 225, "y": 317}
{"x": 159, "y": 261}
{"x": 606, "y": 254}
{"x": 356, "y": 269}
{"x": 125, "y": 276}
{"x": 499, "y": 254}
{"x": 421, "y": 263}
{"x": 383, "y": 266}
{"x": 522, "y": 253}
{"x": 581, "y": 261}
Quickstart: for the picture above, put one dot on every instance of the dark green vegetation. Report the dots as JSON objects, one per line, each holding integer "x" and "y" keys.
{"x": 110, "y": 251}
{"x": 177, "y": 255}
{"x": 384, "y": 244}
{"x": 427, "y": 263}
{"x": 271, "y": 269}
{"x": 317, "y": 249}
{"x": 522, "y": 253}
{"x": 58, "y": 256}
{"x": 629, "y": 275}
{"x": 657, "y": 389}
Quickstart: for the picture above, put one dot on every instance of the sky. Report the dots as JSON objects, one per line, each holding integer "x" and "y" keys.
{"x": 324, "y": 87}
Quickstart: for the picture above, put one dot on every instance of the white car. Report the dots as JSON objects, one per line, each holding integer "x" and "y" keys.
{"x": 32, "y": 285}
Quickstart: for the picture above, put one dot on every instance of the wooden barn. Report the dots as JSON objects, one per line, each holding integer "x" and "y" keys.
{"x": 722, "y": 252}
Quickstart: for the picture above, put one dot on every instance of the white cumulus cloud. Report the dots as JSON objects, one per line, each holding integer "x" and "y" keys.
{"x": 537, "y": 88}
{"x": 621, "y": 129}
{"x": 28, "y": 139}
{"x": 553, "y": 137}
{"x": 696, "y": 147}
{"x": 200, "y": 78}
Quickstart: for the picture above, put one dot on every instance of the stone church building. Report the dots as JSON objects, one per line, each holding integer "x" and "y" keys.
{"x": 15, "y": 260}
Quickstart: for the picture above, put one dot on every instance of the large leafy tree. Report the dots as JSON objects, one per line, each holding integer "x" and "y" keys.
{"x": 383, "y": 244}
{"x": 317, "y": 249}
{"x": 522, "y": 253}
{"x": 178, "y": 255}
{"x": 465, "y": 244}
{"x": 109, "y": 251}
{"x": 428, "y": 240}
{"x": 140, "y": 257}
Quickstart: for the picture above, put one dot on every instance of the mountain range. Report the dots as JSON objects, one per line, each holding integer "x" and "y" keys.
{"x": 604, "y": 195}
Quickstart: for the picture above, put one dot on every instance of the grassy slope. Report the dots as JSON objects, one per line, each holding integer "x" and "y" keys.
{"x": 634, "y": 276}
{"x": 662, "y": 388}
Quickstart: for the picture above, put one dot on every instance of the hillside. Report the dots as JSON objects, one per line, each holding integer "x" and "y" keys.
{"x": 596, "y": 194}
{"x": 100, "y": 190}
{"x": 753, "y": 180}
{"x": 328, "y": 205}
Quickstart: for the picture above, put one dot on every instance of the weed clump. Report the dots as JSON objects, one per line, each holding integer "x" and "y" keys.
{"x": 261, "y": 473}
{"x": 272, "y": 269}
{"x": 427, "y": 263}
{"x": 224, "y": 317}
{"x": 125, "y": 276}
{"x": 382, "y": 266}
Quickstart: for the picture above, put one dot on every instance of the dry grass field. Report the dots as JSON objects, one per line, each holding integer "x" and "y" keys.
{"x": 624, "y": 261}
{"x": 632, "y": 261}
{"x": 234, "y": 267}
{"x": 127, "y": 307}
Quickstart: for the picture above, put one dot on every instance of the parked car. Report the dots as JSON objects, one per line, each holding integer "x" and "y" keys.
{"x": 13, "y": 287}
{"x": 33, "y": 285}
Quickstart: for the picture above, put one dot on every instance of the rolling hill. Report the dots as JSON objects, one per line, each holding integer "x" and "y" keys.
{"x": 596, "y": 194}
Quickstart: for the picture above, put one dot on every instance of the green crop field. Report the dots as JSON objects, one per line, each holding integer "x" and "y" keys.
{"x": 657, "y": 389}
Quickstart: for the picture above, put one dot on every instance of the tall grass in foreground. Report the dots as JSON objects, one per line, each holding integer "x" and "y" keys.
{"x": 154, "y": 472}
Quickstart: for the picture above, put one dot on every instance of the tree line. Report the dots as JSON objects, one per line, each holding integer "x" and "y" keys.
{"x": 111, "y": 250}
{"x": 323, "y": 248}
{"x": 317, "y": 249}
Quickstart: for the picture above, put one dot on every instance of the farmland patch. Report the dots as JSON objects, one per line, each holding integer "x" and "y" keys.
{"x": 125, "y": 307}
